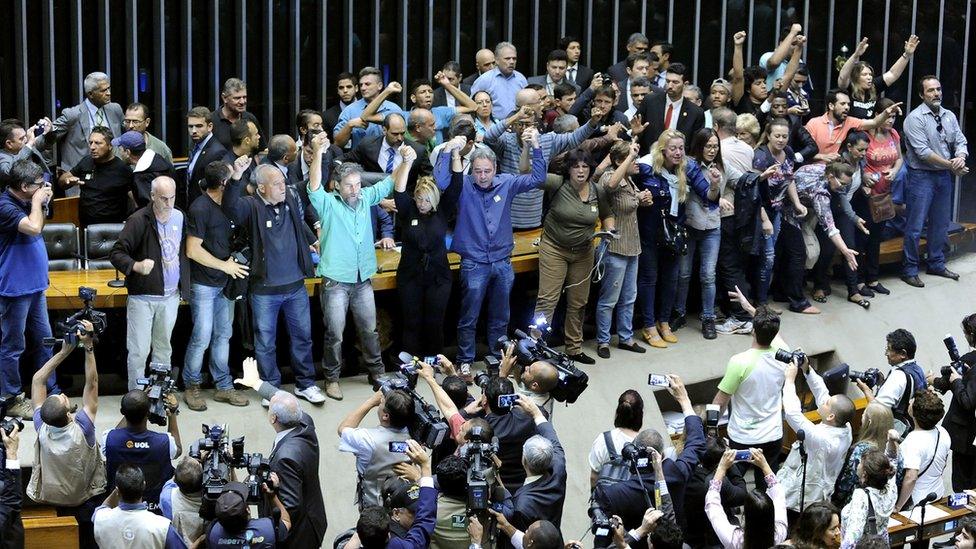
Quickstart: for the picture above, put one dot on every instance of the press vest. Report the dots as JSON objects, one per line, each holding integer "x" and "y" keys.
{"x": 380, "y": 466}
{"x": 259, "y": 534}
{"x": 148, "y": 450}
{"x": 130, "y": 529}
{"x": 59, "y": 463}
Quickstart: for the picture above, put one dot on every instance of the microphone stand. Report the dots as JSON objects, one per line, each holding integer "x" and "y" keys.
{"x": 116, "y": 283}
{"x": 803, "y": 476}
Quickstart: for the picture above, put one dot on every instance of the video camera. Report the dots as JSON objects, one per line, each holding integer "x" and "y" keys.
{"x": 428, "y": 426}
{"x": 68, "y": 329}
{"x": 481, "y": 468}
{"x": 956, "y": 360}
{"x": 601, "y": 526}
{"x": 871, "y": 377}
{"x": 638, "y": 456}
{"x": 220, "y": 461}
{"x": 492, "y": 368}
{"x": 158, "y": 386}
{"x": 572, "y": 380}
{"x": 8, "y": 424}
{"x": 787, "y": 357}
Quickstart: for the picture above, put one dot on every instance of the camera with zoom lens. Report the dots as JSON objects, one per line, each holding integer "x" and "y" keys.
{"x": 68, "y": 328}
{"x": 956, "y": 360}
{"x": 492, "y": 368}
{"x": 481, "y": 468}
{"x": 638, "y": 456}
{"x": 428, "y": 426}
{"x": 220, "y": 460}
{"x": 9, "y": 424}
{"x": 871, "y": 377}
{"x": 158, "y": 386}
{"x": 571, "y": 380}
{"x": 601, "y": 526}
{"x": 788, "y": 357}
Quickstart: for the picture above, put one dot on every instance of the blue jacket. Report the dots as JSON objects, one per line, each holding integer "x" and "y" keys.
{"x": 649, "y": 218}
{"x": 423, "y": 523}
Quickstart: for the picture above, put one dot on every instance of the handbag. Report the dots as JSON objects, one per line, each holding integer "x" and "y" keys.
{"x": 674, "y": 236}
{"x": 881, "y": 206}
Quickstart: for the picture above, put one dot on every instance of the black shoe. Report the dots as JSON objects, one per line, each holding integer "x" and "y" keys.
{"x": 603, "y": 351}
{"x": 913, "y": 281}
{"x": 944, "y": 273}
{"x": 947, "y": 543}
{"x": 583, "y": 358}
{"x": 879, "y": 289}
{"x": 708, "y": 329}
{"x": 677, "y": 322}
{"x": 632, "y": 347}
{"x": 866, "y": 291}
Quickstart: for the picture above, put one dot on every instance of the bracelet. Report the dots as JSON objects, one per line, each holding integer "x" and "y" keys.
{"x": 906, "y": 55}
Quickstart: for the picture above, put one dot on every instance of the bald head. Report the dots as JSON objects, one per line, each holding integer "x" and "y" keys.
{"x": 541, "y": 376}
{"x": 484, "y": 60}
{"x": 423, "y": 126}
{"x": 282, "y": 149}
{"x": 163, "y": 195}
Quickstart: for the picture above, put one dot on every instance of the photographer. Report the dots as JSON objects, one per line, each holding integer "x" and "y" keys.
{"x": 181, "y": 499}
{"x": 513, "y": 427}
{"x": 453, "y": 527}
{"x": 23, "y": 280}
{"x": 541, "y": 534}
{"x": 124, "y": 520}
{"x": 760, "y": 527}
{"x": 958, "y": 420}
{"x": 534, "y": 381}
{"x": 234, "y": 526}
{"x": 628, "y": 499}
{"x": 925, "y": 451}
{"x": 904, "y": 380}
{"x": 133, "y": 443}
{"x": 374, "y": 460}
{"x": 627, "y": 422}
{"x": 732, "y": 494}
{"x": 10, "y": 492}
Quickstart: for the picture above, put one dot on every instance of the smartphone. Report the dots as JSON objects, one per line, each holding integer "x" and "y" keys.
{"x": 398, "y": 446}
{"x": 431, "y": 360}
{"x": 743, "y": 455}
{"x": 658, "y": 380}
{"x": 507, "y": 401}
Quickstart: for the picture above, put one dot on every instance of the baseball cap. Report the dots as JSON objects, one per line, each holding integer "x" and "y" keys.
{"x": 130, "y": 140}
{"x": 723, "y": 83}
{"x": 400, "y": 494}
{"x": 232, "y": 503}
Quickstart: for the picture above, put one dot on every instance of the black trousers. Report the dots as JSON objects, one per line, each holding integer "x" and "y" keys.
{"x": 423, "y": 304}
{"x": 868, "y": 245}
{"x": 792, "y": 250}
{"x": 730, "y": 270}
{"x": 823, "y": 268}
{"x": 963, "y": 471}
{"x": 771, "y": 451}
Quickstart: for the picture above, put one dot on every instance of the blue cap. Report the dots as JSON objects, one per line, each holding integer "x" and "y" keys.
{"x": 130, "y": 140}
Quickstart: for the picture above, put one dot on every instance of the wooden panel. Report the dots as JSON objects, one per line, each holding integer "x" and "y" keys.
{"x": 38, "y": 511}
{"x": 65, "y": 210}
{"x": 44, "y": 533}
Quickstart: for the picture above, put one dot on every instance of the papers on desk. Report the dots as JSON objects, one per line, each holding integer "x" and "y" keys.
{"x": 931, "y": 514}
{"x": 893, "y": 523}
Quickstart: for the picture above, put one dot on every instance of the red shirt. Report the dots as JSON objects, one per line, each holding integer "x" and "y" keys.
{"x": 830, "y": 137}
{"x": 882, "y": 155}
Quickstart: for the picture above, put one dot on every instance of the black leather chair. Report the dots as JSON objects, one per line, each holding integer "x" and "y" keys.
{"x": 61, "y": 241}
{"x": 99, "y": 239}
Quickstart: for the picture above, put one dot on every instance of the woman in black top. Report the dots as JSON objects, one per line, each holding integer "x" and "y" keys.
{"x": 857, "y": 77}
{"x": 424, "y": 275}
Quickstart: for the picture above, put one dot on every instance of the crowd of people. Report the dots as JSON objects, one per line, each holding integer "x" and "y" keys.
{"x": 745, "y": 186}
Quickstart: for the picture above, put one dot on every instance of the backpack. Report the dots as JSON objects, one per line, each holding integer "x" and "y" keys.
{"x": 616, "y": 470}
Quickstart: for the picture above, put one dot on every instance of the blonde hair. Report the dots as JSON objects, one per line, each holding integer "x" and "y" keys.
{"x": 657, "y": 161}
{"x": 427, "y": 188}
{"x": 875, "y": 423}
{"x": 748, "y": 123}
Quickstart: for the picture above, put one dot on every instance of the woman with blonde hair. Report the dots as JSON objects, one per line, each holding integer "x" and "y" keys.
{"x": 747, "y": 129}
{"x": 876, "y": 421}
{"x": 671, "y": 177}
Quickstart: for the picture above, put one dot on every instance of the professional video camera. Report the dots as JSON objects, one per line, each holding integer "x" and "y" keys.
{"x": 572, "y": 380}
{"x": 481, "y": 468}
{"x": 69, "y": 328}
{"x": 219, "y": 461}
{"x": 492, "y": 368}
{"x": 956, "y": 360}
{"x": 871, "y": 377}
{"x": 428, "y": 426}
{"x": 788, "y": 357}
{"x": 601, "y": 526}
{"x": 8, "y": 424}
{"x": 158, "y": 386}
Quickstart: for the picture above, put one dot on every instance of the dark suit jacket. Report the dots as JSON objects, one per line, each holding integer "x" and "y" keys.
{"x": 368, "y": 151}
{"x": 213, "y": 151}
{"x": 584, "y": 75}
{"x": 469, "y": 79}
{"x": 626, "y": 499}
{"x": 698, "y": 531}
{"x": 544, "y": 498}
{"x": 624, "y": 86}
{"x": 618, "y": 71}
{"x": 958, "y": 420}
{"x": 440, "y": 95}
{"x": 296, "y": 461}
{"x": 691, "y": 118}
{"x": 330, "y": 118}
{"x": 11, "y": 499}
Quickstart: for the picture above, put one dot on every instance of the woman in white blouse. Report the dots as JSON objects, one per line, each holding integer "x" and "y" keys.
{"x": 760, "y": 528}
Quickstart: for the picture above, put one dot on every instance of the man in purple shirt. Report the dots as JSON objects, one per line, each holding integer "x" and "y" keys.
{"x": 483, "y": 238}
{"x": 501, "y": 82}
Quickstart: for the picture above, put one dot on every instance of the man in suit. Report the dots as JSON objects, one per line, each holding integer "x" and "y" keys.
{"x": 283, "y": 155}
{"x": 637, "y": 67}
{"x": 577, "y": 74}
{"x": 555, "y": 72}
{"x": 305, "y": 120}
{"x": 636, "y": 43}
{"x": 958, "y": 421}
{"x": 379, "y": 153}
{"x": 72, "y": 128}
{"x": 206, "y": 149}
{"x": 544, "y": 492}
{"x": 627, "y": 499}
{"x": 662, "y": 50}
{"x": 295, "y": 458}
{"x": 484, "y": 61}
{"x": 670, "y": 111}
{"x": 346, "y": 84}
{"x": 451, "y": 70}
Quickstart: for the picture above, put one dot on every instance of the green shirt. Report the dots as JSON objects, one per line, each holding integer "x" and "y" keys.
{"x": 347, "y": 241}
{"x": 570, "y": 221}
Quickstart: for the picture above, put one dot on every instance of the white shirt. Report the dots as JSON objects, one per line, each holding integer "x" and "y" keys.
{"x": 359, "y": 441}
{"x": 116, "y": 528}
{"x": 918, "y": 450}
{"x": 674, "y": 114}
{"x": 465, "y": 158}
{"x": 600, "y": 454}
{"x": 381, "y": 160}
{"x": 893, "y": 387}
{"x": 754, "y": 378}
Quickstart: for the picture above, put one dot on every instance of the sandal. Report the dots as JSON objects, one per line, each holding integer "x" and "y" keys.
{"x": 862, "y": 302}
{"x": 878, "y": 288}
{"x": 653, "y": 338}
{"x": 819, "y": 296}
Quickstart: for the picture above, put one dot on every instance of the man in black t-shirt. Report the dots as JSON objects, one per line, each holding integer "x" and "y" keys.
{"x": 208, "y": 245}
{"x": 105, "y": 181}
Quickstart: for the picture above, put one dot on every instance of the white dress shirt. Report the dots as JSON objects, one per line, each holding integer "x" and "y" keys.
{"x": 675, "y": 113}
{"x": 384, "y": 151}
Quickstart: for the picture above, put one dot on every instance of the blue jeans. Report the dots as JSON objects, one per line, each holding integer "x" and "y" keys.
{"x": 298, "y": 320}
{"x": 657, "y": 274}
{"x": 706, "y": 243}
{"x": 617, "y": 289}
{"x": 337, "y": 298}
{"x": 26, "y": 313}
{"x": 928, "y": 196}
{"x": 479, "y": 281}
{"x": 767, "y": 248}
{"x": 213, "y": 324}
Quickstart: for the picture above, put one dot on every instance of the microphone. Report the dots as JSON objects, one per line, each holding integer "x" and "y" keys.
{"x": 801, "y": 435}
{"x": 520, "y": 334}
{"x": 928, "y": 499}
{"x": 405, "y": 357}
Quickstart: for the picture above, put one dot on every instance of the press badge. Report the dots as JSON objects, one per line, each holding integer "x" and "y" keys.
{"x": 413, "y": 222}
{"x": 267, "y": 223}
{"x": 459, "y": 522}
{"x": 498, "y": 198}
{"x": 593, "y": 209}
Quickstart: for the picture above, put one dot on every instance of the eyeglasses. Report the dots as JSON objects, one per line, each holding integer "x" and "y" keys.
{"x": 711, "y": 147}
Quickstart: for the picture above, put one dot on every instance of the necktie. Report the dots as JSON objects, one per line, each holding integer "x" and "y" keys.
{"x": 99, "y": 118}
{"x": 572, "y": 74}
{"x": 667, "y": 116}
{"x": 389, "y": 159}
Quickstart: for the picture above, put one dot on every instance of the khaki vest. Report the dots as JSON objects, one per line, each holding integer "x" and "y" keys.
{"x": 186, "y": 516}
{"x": 380, "y": 466}
{"x": 67, "y": 471}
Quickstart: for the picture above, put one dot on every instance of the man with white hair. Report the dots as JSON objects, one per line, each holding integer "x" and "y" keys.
{"x": 503, "y": 81}
{"x": 151, "y": 252}
{"x": 71, "y": 129}
{"x": 542, "y": 495}
{"x": 295, "y": 458}
{"x": 281, "y": 260}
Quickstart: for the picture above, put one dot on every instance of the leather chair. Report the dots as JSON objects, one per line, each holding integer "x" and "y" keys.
{"x": 99, "y": 239}
{"x": 371, "y": 178}
{"x": 61, "y": 241}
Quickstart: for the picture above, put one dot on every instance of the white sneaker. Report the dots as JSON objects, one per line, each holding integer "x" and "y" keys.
{"x": 745, "y": 329}
{"x": 312, "y": 394}
{"x": 265, "y": 402}
{"x": 731, "y": 326}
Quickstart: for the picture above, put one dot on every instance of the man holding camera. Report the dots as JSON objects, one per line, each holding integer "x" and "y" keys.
{"x": 23, "y": 281}
{"x": 10, "y": 491}
{"x": 151, "y": 253}
{"x": 377, "y": 449}
{"x": 132, "y": 442}
{"x": 181, "y": 499}
{"x": 234, "y": 526}
{"x": 535, "y": 380}
{"x": 512, "y": 426}
{"x": 904, "y": 380}
{"x": 124, "y": 520}
{"x": 958, "y": 421}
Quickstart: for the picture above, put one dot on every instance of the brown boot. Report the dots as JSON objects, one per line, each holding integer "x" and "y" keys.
{"x": 230, "y": 396}
{"x": 332, "y": 390}
{"x": 193, "y": 398}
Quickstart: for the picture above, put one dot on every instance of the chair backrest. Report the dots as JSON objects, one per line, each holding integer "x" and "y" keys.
{"x": 99, "y": 239}
{"x": 369, "y": 179}
{"x": 61, "y": 241}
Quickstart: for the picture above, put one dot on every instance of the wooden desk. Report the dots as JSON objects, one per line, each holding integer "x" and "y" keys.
{"x": 907, "y": 532}
{"x": 47, "y": 532}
